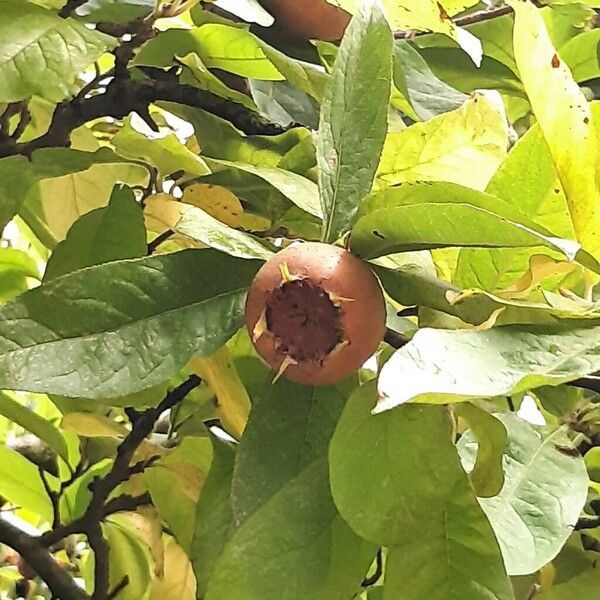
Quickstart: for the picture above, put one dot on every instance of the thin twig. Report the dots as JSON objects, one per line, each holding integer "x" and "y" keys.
{"x": 53, "y": 496}
{"x": 24, "y": 119}
{"x": 70, "y": 7}
{"x": 118, "y": 588}
{"x": 158, "y": 240}
{"x": 373, "y": 579}
{"x": 42, "y": 562}
{"x": 395, "y": 339}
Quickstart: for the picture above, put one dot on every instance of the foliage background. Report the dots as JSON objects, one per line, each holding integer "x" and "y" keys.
{"x": 152, "y": 155}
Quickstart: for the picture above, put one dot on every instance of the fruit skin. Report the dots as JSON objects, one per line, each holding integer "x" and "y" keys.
{"x": 339, "y": 273}
{"x": 309, "y": 19}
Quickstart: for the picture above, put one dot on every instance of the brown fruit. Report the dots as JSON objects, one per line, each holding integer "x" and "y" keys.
{"x": 315, "y": 313}
{"x": 309, "y": 19}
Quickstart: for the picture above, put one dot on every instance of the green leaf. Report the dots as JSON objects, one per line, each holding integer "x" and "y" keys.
{"x": 463, "y": 146}
{"x": 452, "y": 66}
{"x": 102, "y": 235}
{"x": 167, "y": 153}
{"x": 294, "y": 546}
{"x": 428, "y": 95}
{"x": 201, "y": 77}
{"x": 15, "y": 180}
{"x": 274, "y": 450}
{"x": 56, "y": 162}
{"x": 300, "y": 190}
{"x": 220, "y": 139}
{"x": 397, "y": 480}
{"x": 280, "y": 493}
{"x": 175, "y": 482}
{"x": 199, "y": 225}
{"x": 127, "y": 557}
{"x": 21, "y": 484}
{"x": 218, "y": 46}
{"x": 79, "y": 335}
{"x": 544, "y": 491}
{"x": 51, "y": 52}
{"x": 411, "y": 285}
{"x": 544, "y": 75}
{"x": 32, "y": 422}
{"x": 439, "y": 366}
{"x": 487, "y": 476}
{"x": 581, "y": 54}
{"x": 214, "y": 515}
{"x": 527, "y": 181}
{"x": 15, "y": 268}
{"x": 438, "y": 215}
{"x": 353, "y": 121}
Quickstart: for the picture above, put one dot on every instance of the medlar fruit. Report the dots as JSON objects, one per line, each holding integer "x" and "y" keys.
{"x": 315, "y": 313}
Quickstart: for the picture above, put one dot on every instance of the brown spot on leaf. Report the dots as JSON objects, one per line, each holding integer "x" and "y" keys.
{"x": 444, "y": 16}
{"x": 555, "y": 62}
{"x": 586, "y": 120}
{"x": 379, "y": 235}
{"x": 567, "y": 450}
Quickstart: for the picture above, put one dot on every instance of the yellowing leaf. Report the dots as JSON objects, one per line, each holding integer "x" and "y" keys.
{"x": 161, "y": 212}
{"x": 426, "y": 15}
{"x": 91, "y": 425}
{"x": 565, "y": 118}
{"x": 53, "y": 205}
{"x": 147, "y": 525}
{"x": 217, "y": 201}
{"x": 233, "y": 403}
{"x": 464, "y": 146}
{"x": 178, "y": 581}
{"x": 540, "y": 266}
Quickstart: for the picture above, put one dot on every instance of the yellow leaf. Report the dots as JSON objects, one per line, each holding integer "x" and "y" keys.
{"x": 91, "y": 425}
{"x": 565, "y": 118}
{"x": 540, "y": 266}
{"x": 178, "y": 581}
{"x": 161, "y": 212}
{"x": 426, "y": 15}
{"x": 463, "y": 146}
{"x": 217, "y": 201}
{"x": 57, "y": 203}
{"x": 147, "y": 525}
{"x": 233, "y": 402}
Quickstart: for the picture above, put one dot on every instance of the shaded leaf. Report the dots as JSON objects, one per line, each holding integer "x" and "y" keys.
{"x": 127, "y": 557}
{"x": 214, "y": 515}
{"x": 428, "y": 95}
{"x": 102, "y": 235}
{"x": 294, "y": 546}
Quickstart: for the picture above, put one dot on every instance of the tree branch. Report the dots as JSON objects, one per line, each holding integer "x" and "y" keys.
{"x": 70, "y": 7}
{"x": 42, "y": 562}
{"x": 124, "y": 97}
